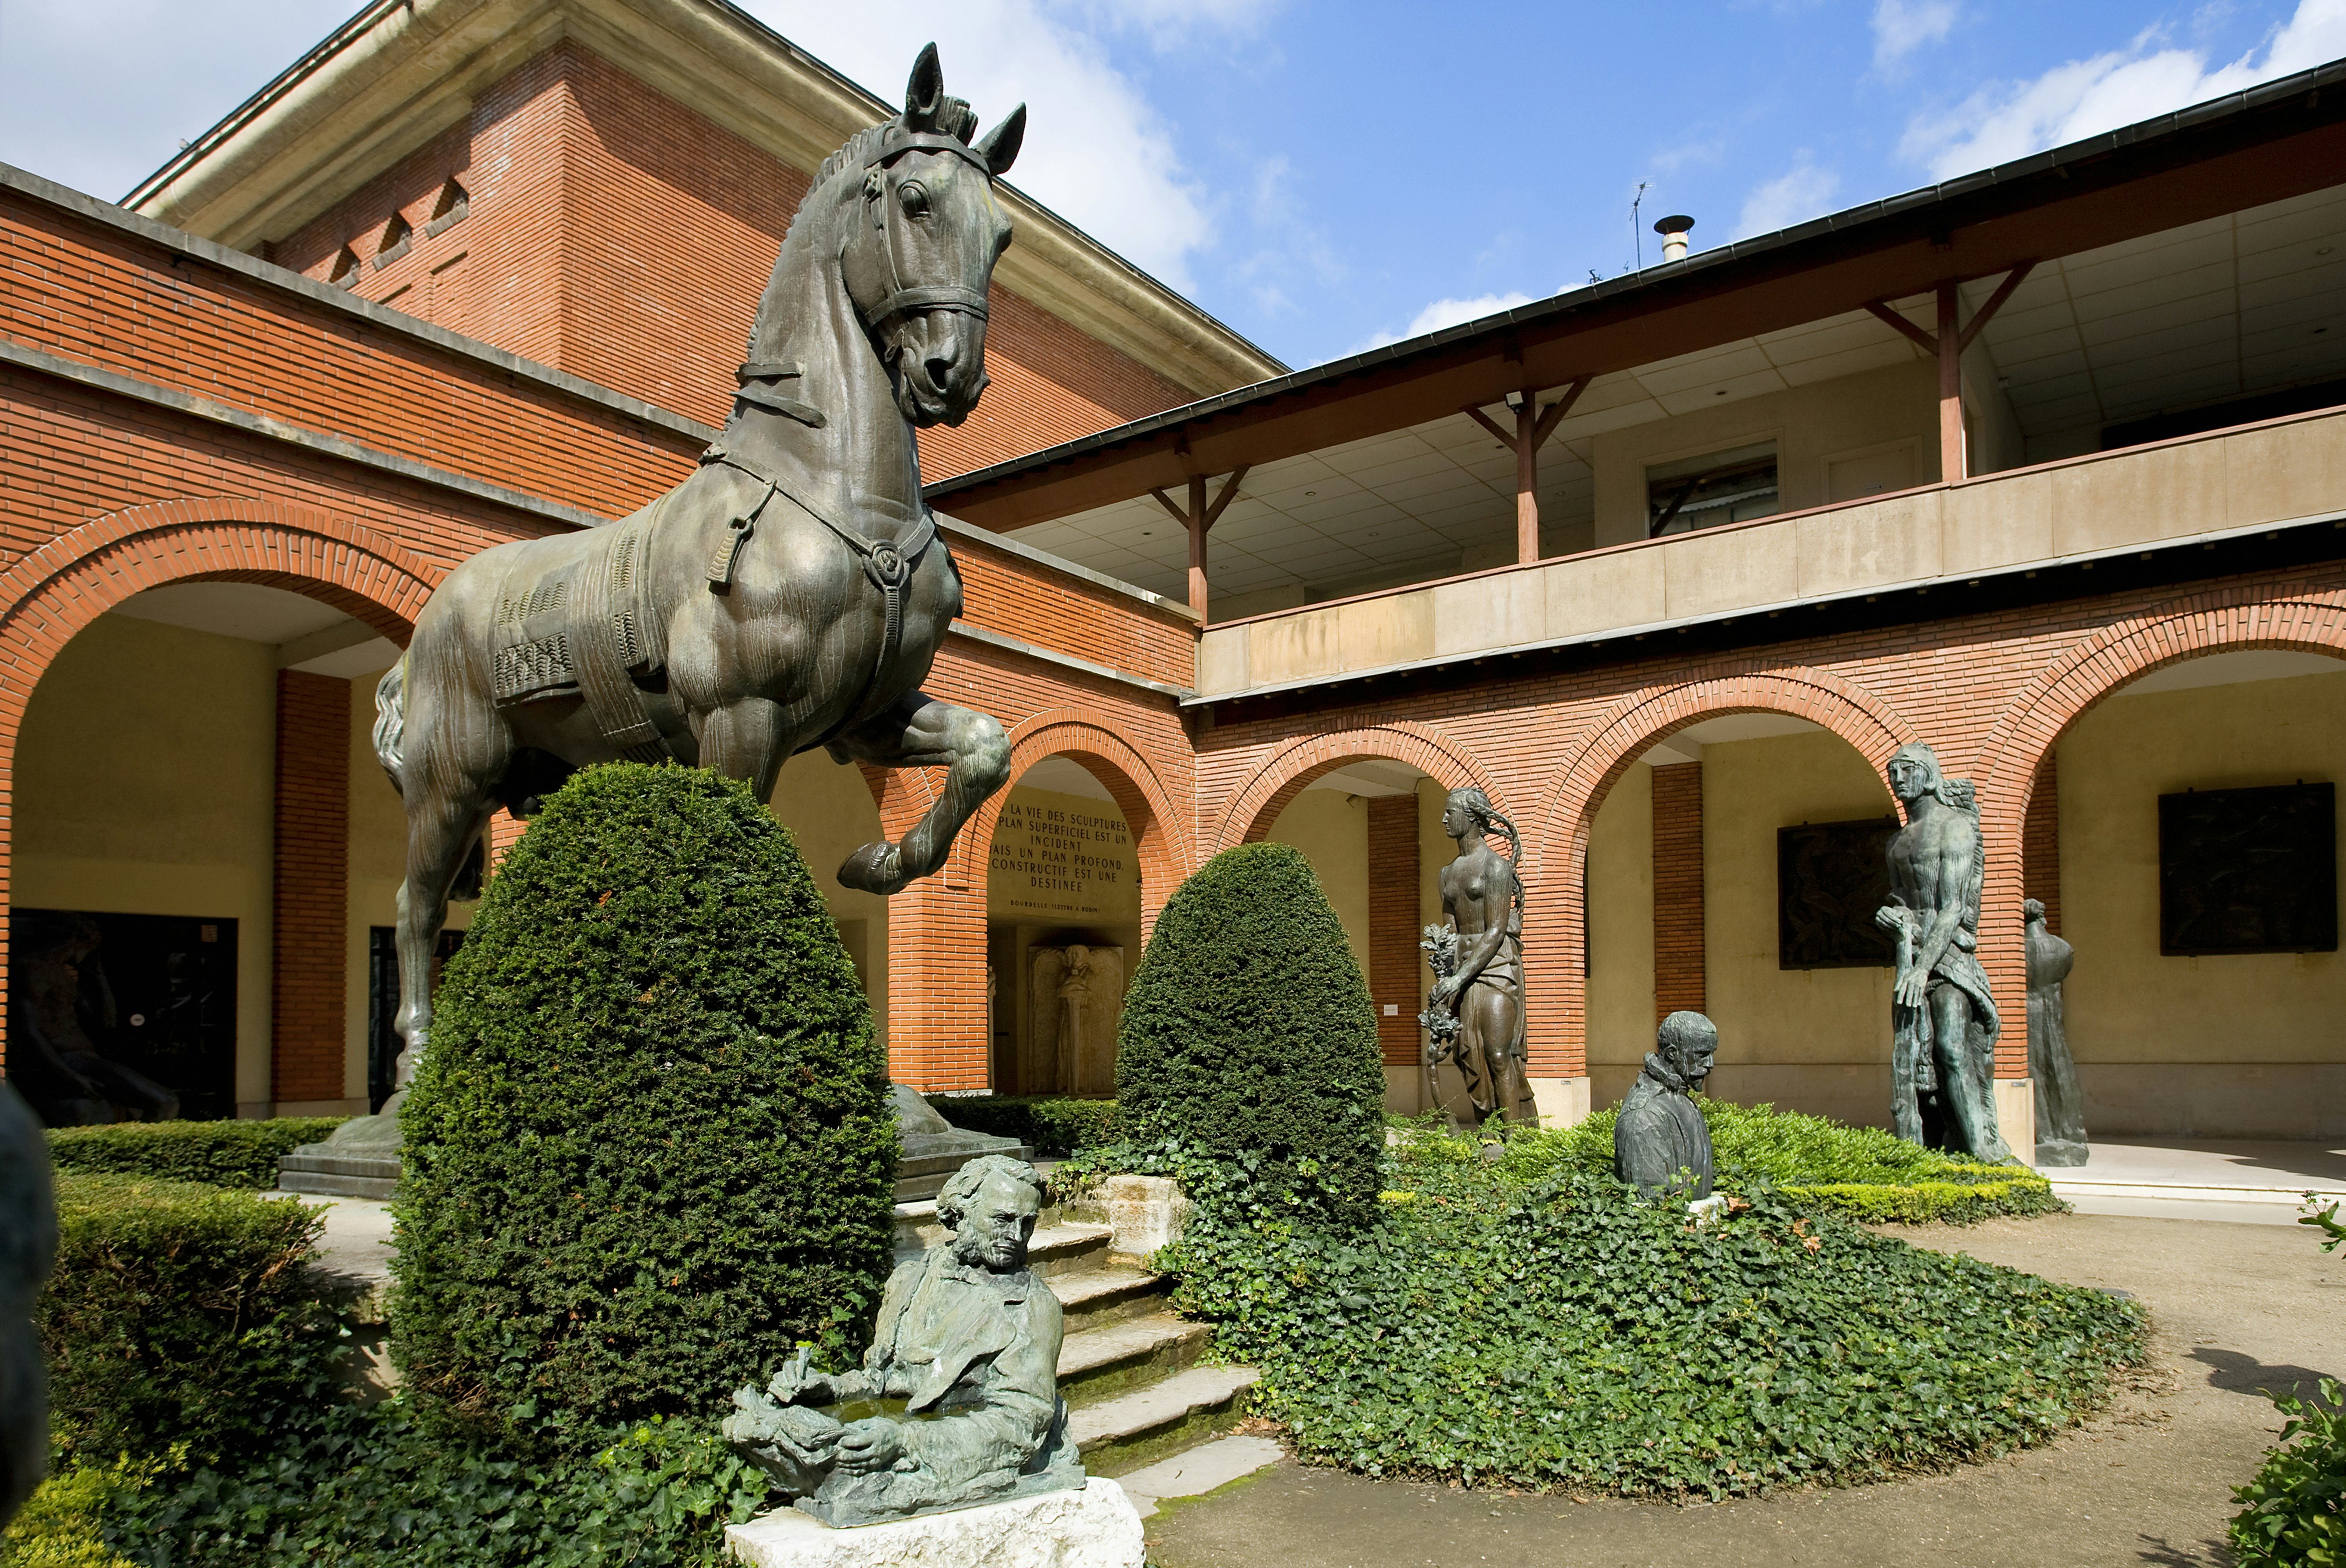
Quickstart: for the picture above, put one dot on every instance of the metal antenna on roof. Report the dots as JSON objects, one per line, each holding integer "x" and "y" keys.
{"x": 1637, "y": 235}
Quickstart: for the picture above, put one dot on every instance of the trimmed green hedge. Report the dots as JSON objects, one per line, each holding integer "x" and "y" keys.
{"x": 1248, "y": 1037}
{"x": 180, "y": 1313}
{"x": 650, "y": 1145}
{"x": 1045, "y": 1124}
{"x": 224, "y": 1153}
{"x": 1866, "y": 1173}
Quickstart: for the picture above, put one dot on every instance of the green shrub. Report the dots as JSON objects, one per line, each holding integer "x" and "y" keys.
{"x": 1567, "y": 1334}
{"x": 1045, "y": 1124}
{"x": 225, "y": 1153}
{"x": 61, "y": 1525}
{"x": 1248, "y": 1040}
{"x": 650, "y": 1145}
{"x": 2293, "y": 1513}
{"x": 180, "y": 1314}
{"x": 386, "y": 1487}
{"x": 1866, "y": 1173}
{"x": 2294, "y": 1510}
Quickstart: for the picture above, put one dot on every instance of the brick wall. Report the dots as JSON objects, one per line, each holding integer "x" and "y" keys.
{"x": 309, "y": 904}
{"x": 1548, "y": 744}
{"x": 1394, "y": 960}
{"x": 617, "y": 234}
{"x": 2041, "y": 843}
{"x": 1678, "y": 951}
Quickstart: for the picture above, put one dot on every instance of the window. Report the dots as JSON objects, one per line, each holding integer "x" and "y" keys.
{"x": 396, "y": 237}
{"x": 344, "y": 273}
{"x": 1707, "y": 491}
{"x": 450, "y": 209}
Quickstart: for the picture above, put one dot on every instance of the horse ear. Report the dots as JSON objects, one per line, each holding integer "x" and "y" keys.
{"x": 924, "y": 95}
{"x": 999, "y": 146}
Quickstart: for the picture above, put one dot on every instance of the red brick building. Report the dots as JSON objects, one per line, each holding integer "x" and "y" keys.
{"x": 2042, "y": 466}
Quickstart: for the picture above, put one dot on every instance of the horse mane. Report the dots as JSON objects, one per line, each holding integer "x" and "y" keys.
{"x": 955, "y": 118}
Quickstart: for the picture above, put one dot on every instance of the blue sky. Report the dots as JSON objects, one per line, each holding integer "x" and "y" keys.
{"x": 1326, "y": 175}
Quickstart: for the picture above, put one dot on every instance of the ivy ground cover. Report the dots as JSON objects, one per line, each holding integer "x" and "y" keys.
{"x": 1558, "y": 1333}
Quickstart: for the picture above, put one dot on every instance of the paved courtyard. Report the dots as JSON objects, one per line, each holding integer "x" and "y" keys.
{"x": 2239, "y": 1307}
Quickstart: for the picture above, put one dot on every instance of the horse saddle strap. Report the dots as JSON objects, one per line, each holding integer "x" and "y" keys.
{"x": 613, "y": 635}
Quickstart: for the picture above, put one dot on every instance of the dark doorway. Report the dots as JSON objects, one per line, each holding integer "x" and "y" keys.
{"x": 115, "y": 1016}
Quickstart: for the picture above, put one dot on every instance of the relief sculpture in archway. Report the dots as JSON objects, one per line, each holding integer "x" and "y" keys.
{"x": 1074, "y": 995}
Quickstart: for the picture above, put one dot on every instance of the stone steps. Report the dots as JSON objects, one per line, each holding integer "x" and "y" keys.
{"x": 1115, "y": 1357}
{"x": 1149, "y": 1423}
{"x": 1092, "y": 1297}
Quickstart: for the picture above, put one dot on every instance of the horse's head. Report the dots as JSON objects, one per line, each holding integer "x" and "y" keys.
{"x": 919, "y": 260}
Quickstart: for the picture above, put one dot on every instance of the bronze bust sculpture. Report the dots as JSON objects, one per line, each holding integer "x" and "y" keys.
{"x": 956, "y": 1403}
{"x": 1474, "y": 1016}
{"x": 1944, "y": 1020}
{"x": 1661, "y": 1142}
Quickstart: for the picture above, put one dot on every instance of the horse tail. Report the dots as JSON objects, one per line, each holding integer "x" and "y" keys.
{"x": 390, "y": 720}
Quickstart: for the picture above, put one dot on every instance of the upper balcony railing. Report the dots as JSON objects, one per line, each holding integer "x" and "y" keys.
{"x": 2104, "y": 504}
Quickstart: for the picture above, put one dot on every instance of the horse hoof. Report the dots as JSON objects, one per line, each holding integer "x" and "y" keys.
{"x": 873, "y": 868}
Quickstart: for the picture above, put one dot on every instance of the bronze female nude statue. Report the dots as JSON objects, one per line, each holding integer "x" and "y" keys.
{"x": 1484, "y": 993}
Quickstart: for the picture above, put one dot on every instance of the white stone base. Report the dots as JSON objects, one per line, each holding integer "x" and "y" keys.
{"x": 2015, "y": 1116}
{"x": 1094, "y": 1527}
{"x": 1562, "y": 1102}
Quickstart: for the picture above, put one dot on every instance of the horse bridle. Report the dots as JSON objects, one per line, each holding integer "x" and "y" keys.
{"x": 928, "y": 296}
{"x": 899, "y": 299}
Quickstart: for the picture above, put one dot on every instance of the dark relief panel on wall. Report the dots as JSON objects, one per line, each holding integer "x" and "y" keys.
{"x": 1830, "y": 879}
{"x": 2248, "y": 871}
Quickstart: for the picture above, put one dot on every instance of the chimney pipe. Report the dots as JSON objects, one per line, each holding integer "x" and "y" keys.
{"x": 1673, "y": 230}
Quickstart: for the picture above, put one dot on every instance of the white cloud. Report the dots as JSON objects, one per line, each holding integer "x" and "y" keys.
{"x": 1448, "y": 313}
{"x": 1802, "y": 192}
{"x": 1903, "y": 26}
{"x": 1098, "y": 150}
{"x": 2006, "y": 120}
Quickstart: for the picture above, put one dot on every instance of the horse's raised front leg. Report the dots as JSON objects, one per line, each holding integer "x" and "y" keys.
{"x": 919, "y": 731}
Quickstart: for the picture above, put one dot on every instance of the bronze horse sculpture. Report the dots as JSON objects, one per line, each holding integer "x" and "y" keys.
{"x": 790, "y": 593}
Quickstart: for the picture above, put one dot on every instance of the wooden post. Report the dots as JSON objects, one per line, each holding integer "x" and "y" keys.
{"x": 1950, "y": 336}
{"x": 1198, "y": 519}
{"x": 1947, "y": 345}
{"x": 1533, "y": 427}
{"x": 1527, "y": 480}
{"x": 1196, "y": 524}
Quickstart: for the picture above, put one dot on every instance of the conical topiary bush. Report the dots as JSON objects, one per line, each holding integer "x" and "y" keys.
{"x": 1248, "y": 1037}
{"x": 650, "y": 1145}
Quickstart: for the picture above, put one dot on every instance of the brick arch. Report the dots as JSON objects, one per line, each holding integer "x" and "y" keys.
{"x": 1275, "y": 784}
{"x": 2227, "y": 620}
{"x": 52, "y": 594}
{"x": 1160, "y": 837}
{"x": 1553, "y": 852}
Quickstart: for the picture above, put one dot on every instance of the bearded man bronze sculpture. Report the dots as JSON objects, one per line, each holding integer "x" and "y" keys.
{"x": 1661, "y": 1142}
{"x": 956, "y": 1403}
{"x": 1944, "y": 1020}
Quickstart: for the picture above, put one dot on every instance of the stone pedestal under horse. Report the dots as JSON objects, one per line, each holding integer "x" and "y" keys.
{"x": 791, "y": 594}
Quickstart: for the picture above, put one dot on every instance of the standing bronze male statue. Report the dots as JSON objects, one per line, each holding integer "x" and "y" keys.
{"x": 1482, "y": 994}
{"x": 1943, "y": 1021}
{"x": 790, "y": 595}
